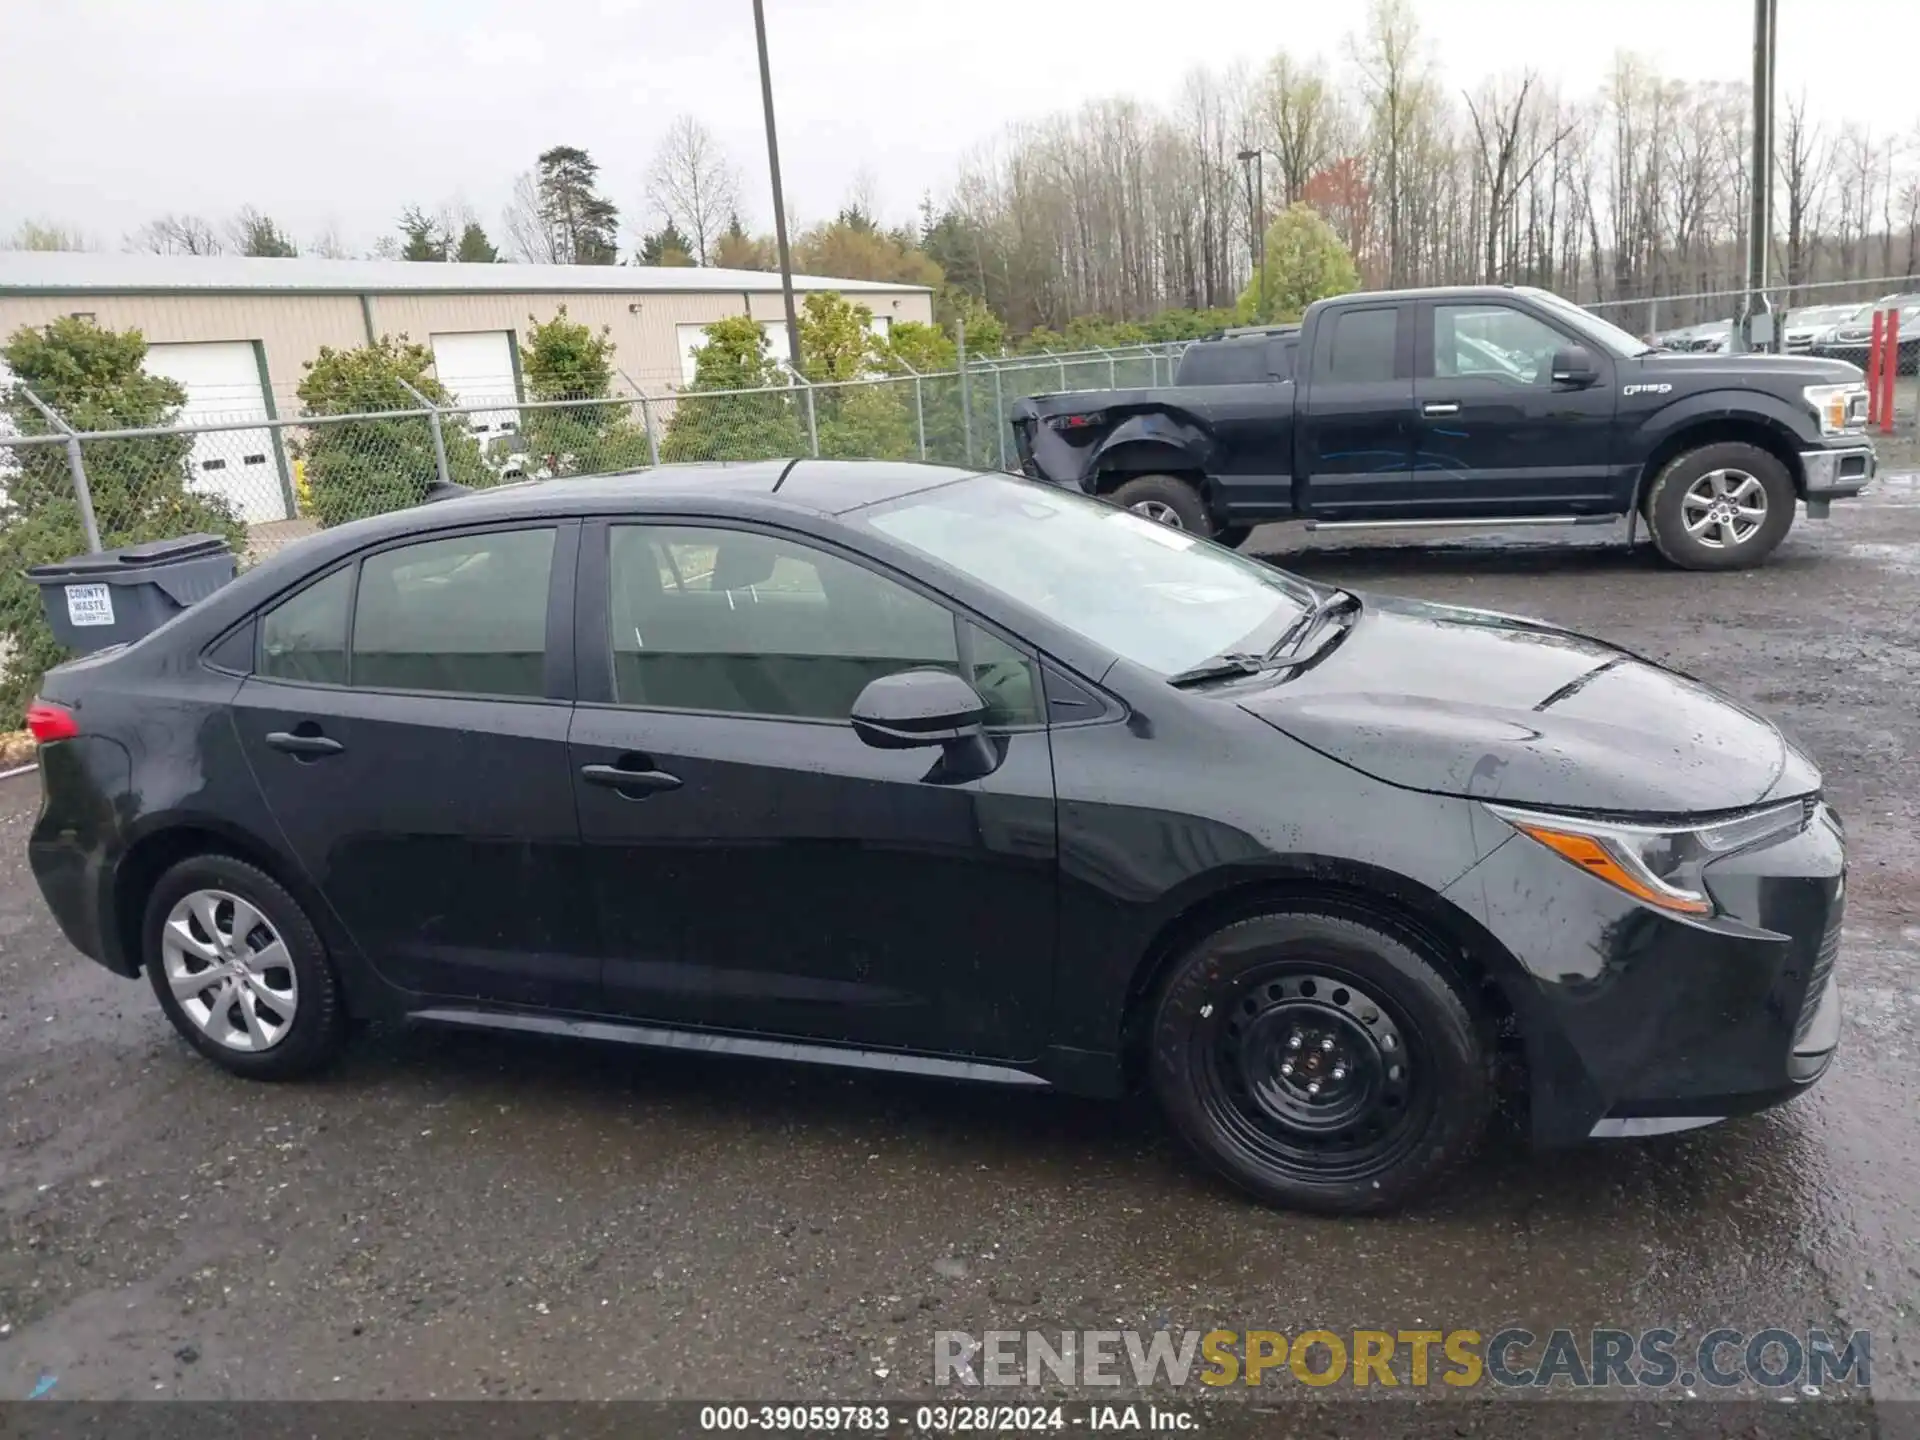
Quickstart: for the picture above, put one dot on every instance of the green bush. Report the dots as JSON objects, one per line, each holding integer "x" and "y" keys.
{"x": 366, "y": 467}
{"x": 565, "y": 360}
{"x": 94, "y": 379}
{"x": 734, "y": 427}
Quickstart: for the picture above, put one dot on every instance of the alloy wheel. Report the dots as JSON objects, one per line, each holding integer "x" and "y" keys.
{"x": 1310, "y": 1075}
{"x": 229, "y": 970}
{"x": 1724, "y": 508}
{"x": 1159, "y": 512}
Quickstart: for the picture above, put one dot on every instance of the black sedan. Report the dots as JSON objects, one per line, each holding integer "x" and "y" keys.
{"x": 901, "y": 768}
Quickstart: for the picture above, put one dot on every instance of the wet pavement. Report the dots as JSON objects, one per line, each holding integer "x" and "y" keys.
{"x": 470, "y": 1216}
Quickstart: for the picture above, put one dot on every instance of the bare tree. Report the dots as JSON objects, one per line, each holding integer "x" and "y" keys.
{"x": 177, "y": 235}
{"x": 693, "y": 185}
{"x": 1804, "y": 166}
{"x": 529, "y": 235}
{"x": 1303, "y": 120}
{"x": 328, "y": 245}
{"x": 44, "y": 235}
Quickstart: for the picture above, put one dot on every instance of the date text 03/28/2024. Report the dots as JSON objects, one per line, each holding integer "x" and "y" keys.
{"x": 961, "y": 1419}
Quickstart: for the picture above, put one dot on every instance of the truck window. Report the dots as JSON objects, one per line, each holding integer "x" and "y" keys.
{"x": 1224, "y": 362}
{"x": 1361, "y": 348}
{"x": 1494, "y": 341}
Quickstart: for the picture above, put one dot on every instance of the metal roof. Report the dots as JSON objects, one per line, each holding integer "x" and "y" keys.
{"x": 79, "y": 273}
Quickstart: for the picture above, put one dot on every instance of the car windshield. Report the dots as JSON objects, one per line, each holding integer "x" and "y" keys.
{"x": 1602, "y": 332}
{"x": 1158, "y": 597}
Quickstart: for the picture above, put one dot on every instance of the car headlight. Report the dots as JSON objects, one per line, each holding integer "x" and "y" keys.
{"x": 1658, "y": 865}
{"x": 1839, "y": 408}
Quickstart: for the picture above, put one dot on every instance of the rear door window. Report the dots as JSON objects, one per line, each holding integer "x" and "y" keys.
{"x": 466, "y": 614}
{"x": 304, "y": 637}
{"x": 1360, "y": 348}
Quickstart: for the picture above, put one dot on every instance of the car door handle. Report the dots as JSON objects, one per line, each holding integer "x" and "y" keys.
{"x": 634, "y": 784}
{"x": 303, "y": 744}
{"x": 1440, "y": 407}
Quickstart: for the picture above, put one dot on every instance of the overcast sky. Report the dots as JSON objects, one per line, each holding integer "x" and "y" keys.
{"x": 341, "y": 112}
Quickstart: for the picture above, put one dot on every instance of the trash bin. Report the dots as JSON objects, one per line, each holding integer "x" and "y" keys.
{"x": 117, "y": 596}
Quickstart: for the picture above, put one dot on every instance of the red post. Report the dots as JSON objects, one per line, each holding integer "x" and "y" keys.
{"x": 1889, "y": 370}
{"x": 1873, "y": 370}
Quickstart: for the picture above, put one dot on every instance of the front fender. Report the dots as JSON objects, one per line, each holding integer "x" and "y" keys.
{"x": 1159, "y": 440}
{"x": 1793, "y": 424}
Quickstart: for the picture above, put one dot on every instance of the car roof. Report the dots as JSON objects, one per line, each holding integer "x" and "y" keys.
{"x": 825, "y": 487}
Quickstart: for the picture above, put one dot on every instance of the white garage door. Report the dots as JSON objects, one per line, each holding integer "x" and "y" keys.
{"x": 222, "y": 381}
{"x": 476, "y": 367}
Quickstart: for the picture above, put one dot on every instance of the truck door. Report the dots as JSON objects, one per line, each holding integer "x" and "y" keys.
{"x": 1497, "y": 434}
{"x": 1355, "y": 419}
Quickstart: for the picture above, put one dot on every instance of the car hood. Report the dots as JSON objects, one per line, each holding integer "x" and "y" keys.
{"x": 1473, "y": 703}
{"x": 1744, "y": 368}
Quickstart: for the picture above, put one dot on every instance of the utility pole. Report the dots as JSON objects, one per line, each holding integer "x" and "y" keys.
{"x": 779, "y": 203}
{"x": 1258, "y": 157}
{"x": 1755, "y": 330}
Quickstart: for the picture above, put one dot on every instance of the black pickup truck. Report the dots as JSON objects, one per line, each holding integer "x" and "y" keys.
{"x": 1482, "y": 407}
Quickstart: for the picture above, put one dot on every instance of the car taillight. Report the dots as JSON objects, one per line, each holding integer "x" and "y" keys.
{"x": 47, "y": 722}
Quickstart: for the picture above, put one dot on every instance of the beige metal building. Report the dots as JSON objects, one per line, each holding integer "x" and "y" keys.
{"x": 237, "y": 332}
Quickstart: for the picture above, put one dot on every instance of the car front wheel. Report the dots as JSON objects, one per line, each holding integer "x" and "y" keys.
{"x": 1320, "y": 1062}
{"x": 240, "y": 970}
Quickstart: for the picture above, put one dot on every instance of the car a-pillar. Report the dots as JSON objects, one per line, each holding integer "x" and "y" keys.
{"x": 1719, "y": 503}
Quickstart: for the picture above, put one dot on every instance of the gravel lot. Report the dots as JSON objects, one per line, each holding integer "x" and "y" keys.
{"x": 465, "y": 1216}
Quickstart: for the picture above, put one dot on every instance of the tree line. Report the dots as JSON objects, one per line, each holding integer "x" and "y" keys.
{"x": 1122, "y": 212}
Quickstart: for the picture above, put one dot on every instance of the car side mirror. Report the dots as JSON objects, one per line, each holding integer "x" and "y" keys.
{"x": 1574, "y": 366}
{"x": 916, "y": 708}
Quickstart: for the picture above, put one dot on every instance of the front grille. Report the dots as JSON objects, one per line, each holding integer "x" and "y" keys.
{"x": 1822, "y": 968}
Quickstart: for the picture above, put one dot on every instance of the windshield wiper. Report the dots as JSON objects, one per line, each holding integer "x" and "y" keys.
{"x": 1282, "y": 652}
{"x": 1333, "y": 602}
{"x": 1233, "y": 662}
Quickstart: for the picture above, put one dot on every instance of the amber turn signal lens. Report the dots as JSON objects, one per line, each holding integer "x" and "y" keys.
{"x": 1596, "y": 859}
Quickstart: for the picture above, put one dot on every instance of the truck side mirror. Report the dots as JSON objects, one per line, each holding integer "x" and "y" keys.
{"x": 1574, "y": 367}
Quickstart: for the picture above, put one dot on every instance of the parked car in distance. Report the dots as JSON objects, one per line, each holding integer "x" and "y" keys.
{"x": 1710, "y": 337}
{"x": 1852, "y": 339}
{"x": 1809, "y": 330}
{"x": 914, "y": 770}
{"x": 1479, "y": 407}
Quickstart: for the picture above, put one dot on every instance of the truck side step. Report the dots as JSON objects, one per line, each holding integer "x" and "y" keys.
{"x": 1489, "y": 522}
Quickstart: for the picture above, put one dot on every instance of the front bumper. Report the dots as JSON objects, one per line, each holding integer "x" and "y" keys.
{"x": 1636, "y": 1021}
{"x": 1837, "y": 471}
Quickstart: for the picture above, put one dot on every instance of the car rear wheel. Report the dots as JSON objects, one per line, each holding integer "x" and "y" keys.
{"x": 240, "y": 970}
{"x": 1166, "y": 500}
{"x": 1320, "y": 1062}
{"x": 1721, "y": 507}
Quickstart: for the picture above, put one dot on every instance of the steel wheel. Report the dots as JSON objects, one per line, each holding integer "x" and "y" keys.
{"x": 1159, "y": 512}
{"x": 230, "y": 970}
{"x": 1311, "y": 1075}
{"x": 1724, "y": 508}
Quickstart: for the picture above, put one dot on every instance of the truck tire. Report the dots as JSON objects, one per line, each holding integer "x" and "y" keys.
{"x": 1167, "y": 500}
{"x": 1720, "y": 507}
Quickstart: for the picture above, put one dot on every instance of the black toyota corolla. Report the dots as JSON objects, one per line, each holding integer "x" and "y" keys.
{"x": 907, "y": 769}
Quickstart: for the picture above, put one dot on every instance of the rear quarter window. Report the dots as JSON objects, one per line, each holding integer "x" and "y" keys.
{"x": 1224, "y": 363}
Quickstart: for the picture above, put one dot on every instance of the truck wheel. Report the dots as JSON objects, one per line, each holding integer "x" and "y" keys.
{"x": 1721, "y": 507}
{"x": 1166, "y": 500}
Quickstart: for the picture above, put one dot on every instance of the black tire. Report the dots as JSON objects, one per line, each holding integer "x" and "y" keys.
{"x": 1667, "y": 508}
{"x": 1167, "y": 499}
{"x": 1232, "y": 536}
{"x": 1228, "y": 1016}
{"x": 318, "y": 1027}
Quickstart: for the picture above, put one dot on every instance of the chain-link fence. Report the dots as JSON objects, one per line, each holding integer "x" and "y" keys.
{"x": 265, "y": 480}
